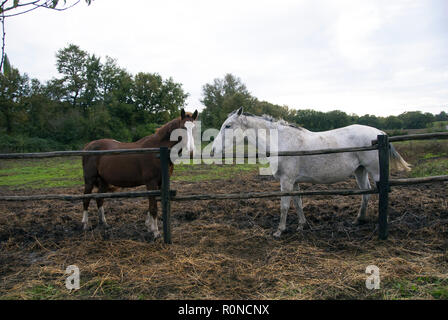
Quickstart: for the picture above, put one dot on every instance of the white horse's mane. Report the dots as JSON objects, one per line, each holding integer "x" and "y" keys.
{"x": 269, "y": 118}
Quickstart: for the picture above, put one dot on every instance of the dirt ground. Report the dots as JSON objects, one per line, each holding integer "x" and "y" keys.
{"x": 225, "y": 249}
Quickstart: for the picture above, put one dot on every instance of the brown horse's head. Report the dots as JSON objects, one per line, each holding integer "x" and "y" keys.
{"x": 186, "y": 122}
{"x": 186, "y": 117}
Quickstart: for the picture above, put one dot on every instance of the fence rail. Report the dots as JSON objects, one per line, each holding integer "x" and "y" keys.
{"x": 75, "y": 153}
{"x": 297, "y": 153}
{"x": 417, "y": 136}
{"x": 165, "y": 195}
{"x": 224, "y": 196}
{"x": 71, "y": 197}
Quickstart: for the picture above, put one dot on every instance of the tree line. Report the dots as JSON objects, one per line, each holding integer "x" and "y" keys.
{"x": 229, "y": 93}
{"x": 95, "y": 98}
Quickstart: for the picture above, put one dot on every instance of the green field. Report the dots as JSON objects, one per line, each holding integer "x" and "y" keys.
{"x": 67, "y": 172}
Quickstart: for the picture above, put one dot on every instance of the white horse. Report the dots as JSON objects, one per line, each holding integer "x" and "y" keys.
{"x": 325, "y": 168}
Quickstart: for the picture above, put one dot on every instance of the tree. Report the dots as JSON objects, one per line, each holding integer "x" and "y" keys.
{"x": 156, "y": 99}
{"x": 370, "y": 120}
{"x": 13, "y": 88}
{"x": 115, "y": 83}
{"x": 91, "y": 92}
{"x": 442, "y": 116}
{"x": 71, "y": 62}
{"x": 392, "y": 122}
{"x": 311, "y": 119}
{"x": 416, "y": 119}
{"x": 222, "y": 97}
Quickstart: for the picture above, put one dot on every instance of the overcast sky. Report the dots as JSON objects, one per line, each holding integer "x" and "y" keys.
{"x": 376, "y": 57}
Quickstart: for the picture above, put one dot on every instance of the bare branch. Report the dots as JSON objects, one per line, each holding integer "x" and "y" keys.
{"x": 3, "y": 41}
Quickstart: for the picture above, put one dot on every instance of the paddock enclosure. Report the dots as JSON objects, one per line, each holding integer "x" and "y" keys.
{"x": 223, "y": 248}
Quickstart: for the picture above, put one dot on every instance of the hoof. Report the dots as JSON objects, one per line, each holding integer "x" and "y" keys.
{"x": 277, "y": 234}
{"x": 300, "y": 227}
{"x": 85, "y": 227}
{"x": 157, "y": 235}
{"x": 104, "y": 226}
{"x": 359, "y": 222}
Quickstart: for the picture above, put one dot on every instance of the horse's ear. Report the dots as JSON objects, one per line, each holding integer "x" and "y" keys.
{"x": 182, "y": 113}
{"x": 195, "y": 114}
{"x": 240, "y": 111}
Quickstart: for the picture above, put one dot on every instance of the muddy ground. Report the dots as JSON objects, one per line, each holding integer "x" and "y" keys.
{"x": 225, "y": 249}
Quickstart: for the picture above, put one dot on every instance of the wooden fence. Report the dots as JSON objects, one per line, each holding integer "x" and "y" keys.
{"x": 165, "y": 195}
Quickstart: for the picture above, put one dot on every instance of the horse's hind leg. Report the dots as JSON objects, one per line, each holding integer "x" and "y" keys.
{"x": 88, "y": 187}
{"x": 362, "y": 178}
{"x": 286, "y": 185}
{"x": 298, "y": 204}
{"x": 103, "y": 187}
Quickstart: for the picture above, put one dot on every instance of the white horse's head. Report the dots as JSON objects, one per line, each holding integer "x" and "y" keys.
{"x": 234, "y": 121}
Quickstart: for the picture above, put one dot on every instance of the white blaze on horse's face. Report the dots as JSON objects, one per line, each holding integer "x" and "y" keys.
{"x": 181, "y": 151}
{"x": 189, "y": 125}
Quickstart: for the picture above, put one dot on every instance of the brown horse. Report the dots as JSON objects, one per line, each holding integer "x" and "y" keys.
{"x": 130, "y": 170}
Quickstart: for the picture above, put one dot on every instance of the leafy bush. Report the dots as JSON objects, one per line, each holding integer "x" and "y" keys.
{"x": 144, "y": 130}
{"x": 14, "y": 144}
{"x": 392, "y": 133}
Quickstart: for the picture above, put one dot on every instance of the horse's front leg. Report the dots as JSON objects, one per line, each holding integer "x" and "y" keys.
{"x": 286, "y": 185}
{"x": 151, "y": 220}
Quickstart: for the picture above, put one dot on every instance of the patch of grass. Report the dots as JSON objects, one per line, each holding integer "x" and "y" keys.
{"x": 434, "y": 167}
{"x": 108, "y": 289}
{"x": 420, "y": 287}
{"x": 67, "y": 172}
{"x": 42, "y": 292}
{"x": 200, "y": 172}
{"x": 45, "y": 173}
{"x": 428, "y": 157}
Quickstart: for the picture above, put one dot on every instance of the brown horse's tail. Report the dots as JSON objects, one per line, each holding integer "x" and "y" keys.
{"x": 89, "y": 166}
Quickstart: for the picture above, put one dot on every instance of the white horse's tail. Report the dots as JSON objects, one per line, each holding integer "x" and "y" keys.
{"x": 397, "y": 162}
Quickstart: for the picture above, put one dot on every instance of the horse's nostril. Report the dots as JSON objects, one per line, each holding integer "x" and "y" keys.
{"x": 213, "y": 152}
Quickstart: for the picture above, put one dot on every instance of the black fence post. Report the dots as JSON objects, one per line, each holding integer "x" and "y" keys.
{"x": 383, "y": 185}
{"x": 165, "y": 194}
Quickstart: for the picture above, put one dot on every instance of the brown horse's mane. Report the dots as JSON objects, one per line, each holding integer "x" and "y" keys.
{"x": 163, "y": 133}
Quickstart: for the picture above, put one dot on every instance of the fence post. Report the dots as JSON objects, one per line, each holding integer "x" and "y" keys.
{"x": 383, "y": 185}
{"x": 165, "y": 194}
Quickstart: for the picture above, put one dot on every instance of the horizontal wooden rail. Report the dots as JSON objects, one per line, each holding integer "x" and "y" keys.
{"x": 410, "y": 181}
{"x": 53, "y": 154}
{"x": 419, "y": 136}
{"x": 272, "y": 194}
{"x": 230, "y": 196}
{"x": 69, "y": 197}
{"x": 322, "y": 151}
{"x": 291, "y": 153}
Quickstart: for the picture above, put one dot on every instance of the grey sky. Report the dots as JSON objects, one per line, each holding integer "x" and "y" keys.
{"x": 378, "y": 57}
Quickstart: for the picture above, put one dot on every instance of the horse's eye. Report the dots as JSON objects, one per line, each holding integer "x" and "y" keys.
{"x": 228, "y": 126}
